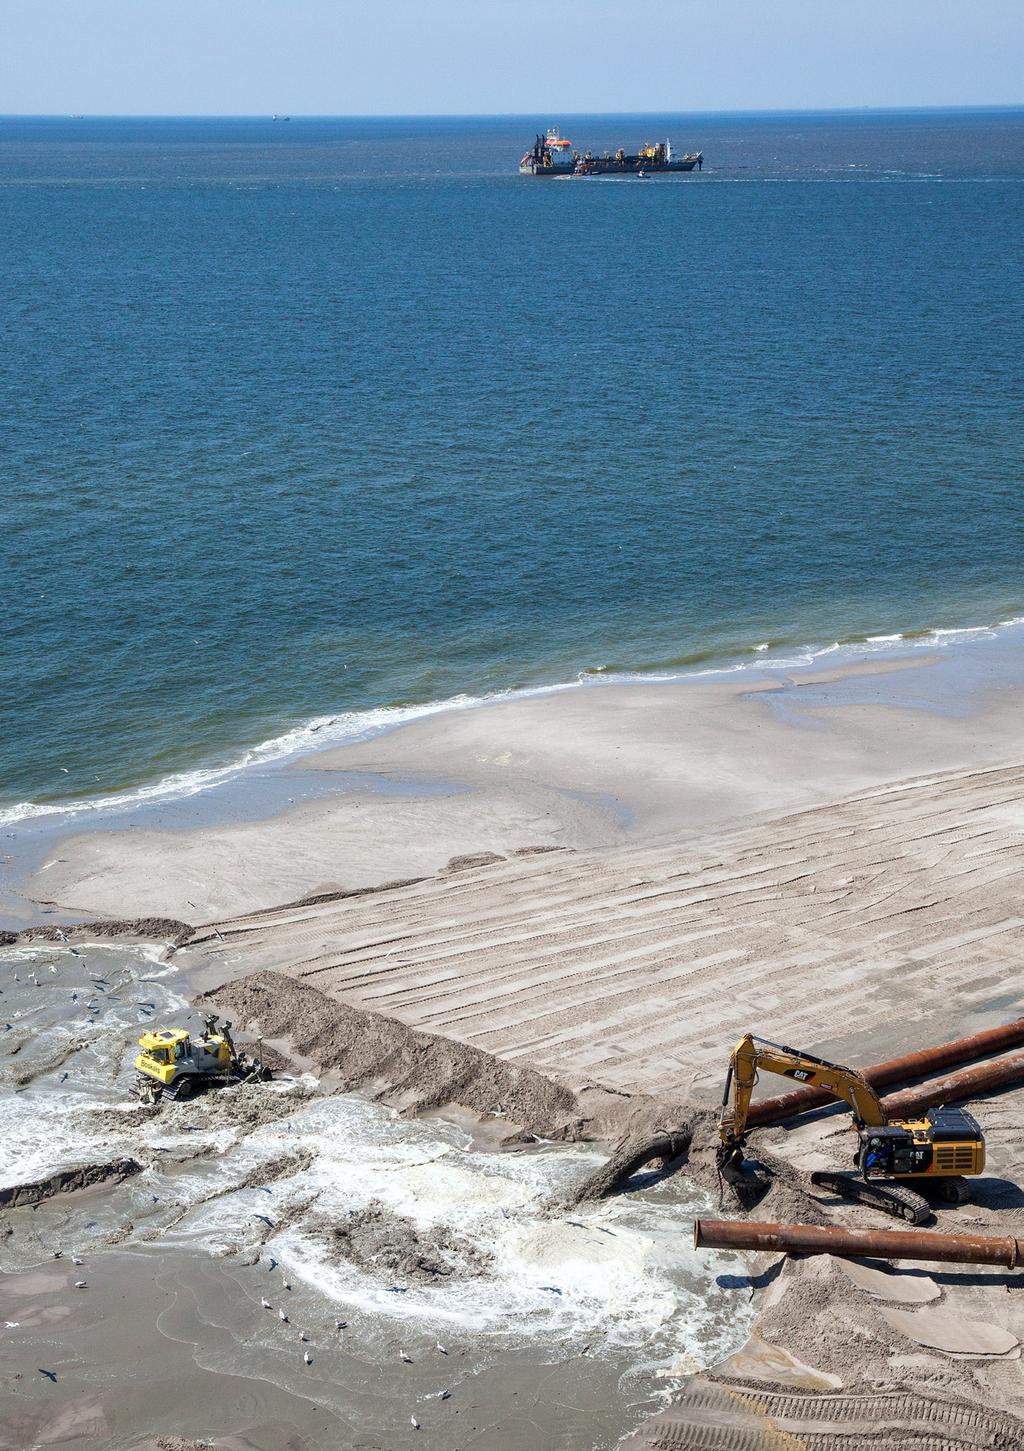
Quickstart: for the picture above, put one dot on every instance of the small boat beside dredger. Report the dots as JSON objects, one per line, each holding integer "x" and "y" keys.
{"x": 553, "y": 155}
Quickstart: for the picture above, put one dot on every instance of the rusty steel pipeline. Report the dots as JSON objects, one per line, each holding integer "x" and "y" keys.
{"x": 972, "y": 1082}
{"x": 889, "y": 1244}
{"x": 896, "y": 1070}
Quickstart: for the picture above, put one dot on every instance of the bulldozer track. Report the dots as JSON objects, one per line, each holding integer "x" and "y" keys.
{"x": 715, "y": 1416}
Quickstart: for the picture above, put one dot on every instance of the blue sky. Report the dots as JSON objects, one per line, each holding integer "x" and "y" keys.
{"x": 336, "y": 57}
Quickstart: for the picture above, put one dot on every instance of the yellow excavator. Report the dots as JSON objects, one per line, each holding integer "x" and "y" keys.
{"x": 935, "y": 1151}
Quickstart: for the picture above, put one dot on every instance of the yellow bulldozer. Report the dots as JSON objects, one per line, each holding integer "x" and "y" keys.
{"x": 934, "y": 1152}
{"x": 175, "y": 1065}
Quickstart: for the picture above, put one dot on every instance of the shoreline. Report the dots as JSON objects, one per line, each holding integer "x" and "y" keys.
{"x": 578, "y": 769}
{"x": 355, "y": 726}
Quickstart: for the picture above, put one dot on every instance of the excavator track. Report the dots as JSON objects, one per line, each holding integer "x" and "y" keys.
{"x": 880, "y": 1194}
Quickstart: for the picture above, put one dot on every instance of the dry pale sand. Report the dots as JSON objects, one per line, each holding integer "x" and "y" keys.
{"x": 585, "y": 768}
{"x": 864, "y": 927}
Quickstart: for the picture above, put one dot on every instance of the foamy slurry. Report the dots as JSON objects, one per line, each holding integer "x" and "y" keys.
{"x": 623, "y": 1271}
{"x": 349, "y": 727}
{"x": 618, "y": 1282}
{"x": 45, "y": 1020}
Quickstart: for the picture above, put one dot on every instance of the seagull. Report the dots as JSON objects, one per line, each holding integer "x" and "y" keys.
{"x": 57, "y": 1253}
{"x": 282, "y": 1316}
{"x": 440, "y": 1348}
{"x": 79, "y": 1284}
{"x": 75, "y": 1260}
{"x": 415, "y": 1424}
{"x": 303, "y": 1335}
{"x": 307, "y": 1357}
{"x": 403, "y": 1356}
{"x": 551, "y": 1289}
{"x": 286, "y": 1283}
{"x": 50, "y": 1374}
{"x": 340, "y": 1324}
{"x": 273, "y": 1263}
{"x": 267, "y": 1220}
{"x": 64, "y": 769}
{"x": 265, "y": 1303}
{"x": 443, "y": 1395}
{"x": 12, "y": 1324}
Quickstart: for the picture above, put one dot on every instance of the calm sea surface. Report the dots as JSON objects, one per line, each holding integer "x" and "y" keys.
{"x": 310, "y": 418}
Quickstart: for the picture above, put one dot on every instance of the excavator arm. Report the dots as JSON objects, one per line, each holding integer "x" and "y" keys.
{"x": 753, "y": 1055}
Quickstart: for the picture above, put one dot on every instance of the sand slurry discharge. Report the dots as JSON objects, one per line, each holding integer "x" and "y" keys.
{"x": 573, "y": 992}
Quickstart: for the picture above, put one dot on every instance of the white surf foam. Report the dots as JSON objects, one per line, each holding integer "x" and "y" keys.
{"x": 348, "y": 727}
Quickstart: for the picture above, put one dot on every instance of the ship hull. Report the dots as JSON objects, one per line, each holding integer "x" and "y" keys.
{"x": 531, "y": 168}
{"x": 634, "y": 168}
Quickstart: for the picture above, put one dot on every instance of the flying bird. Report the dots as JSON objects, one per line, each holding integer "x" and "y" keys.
{"x": 50, "y": 1374}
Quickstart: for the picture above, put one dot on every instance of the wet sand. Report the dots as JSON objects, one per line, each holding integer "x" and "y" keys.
{"x": 580, "y": 769}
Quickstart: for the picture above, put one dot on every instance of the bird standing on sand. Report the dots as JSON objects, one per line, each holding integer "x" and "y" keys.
{"x": 265, "y": 1303}
{"x": 75, "y": 1260}
{"x": 282, "y": 1316}
{"x": 340, "y": 1324}
{"x": 80, "y": 1284}
{"x": 440, "y": 1348}
{"x": 407, "y": 1358}
{"x": 443, "y": 1395}
{"x": 307, "y": 1357}
{"x": 414, "y": 1423}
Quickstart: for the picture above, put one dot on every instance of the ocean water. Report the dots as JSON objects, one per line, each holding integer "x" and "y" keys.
{"x": 305, "y": 420}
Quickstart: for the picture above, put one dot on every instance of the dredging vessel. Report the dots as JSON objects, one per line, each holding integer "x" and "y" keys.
{"x": 553, "y": 155}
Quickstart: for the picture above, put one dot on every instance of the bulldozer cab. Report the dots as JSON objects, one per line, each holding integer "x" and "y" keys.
{"x": 164, "y": 1052}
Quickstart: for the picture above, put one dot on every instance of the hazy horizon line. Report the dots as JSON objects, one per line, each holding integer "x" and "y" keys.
{"x": 971, "y": 106}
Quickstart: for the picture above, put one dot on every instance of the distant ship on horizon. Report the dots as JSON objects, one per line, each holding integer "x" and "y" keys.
{"x": 553, "y": 155}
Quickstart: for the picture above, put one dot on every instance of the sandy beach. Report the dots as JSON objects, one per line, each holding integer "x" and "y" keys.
{"x": 556, "y": 914}
{"x": 610, "y": 765}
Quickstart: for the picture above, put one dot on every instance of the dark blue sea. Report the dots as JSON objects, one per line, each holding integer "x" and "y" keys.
{"x": 305, "y": 419}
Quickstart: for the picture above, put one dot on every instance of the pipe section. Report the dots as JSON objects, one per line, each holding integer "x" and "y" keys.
{"x": 890, "y": 1244}
{"x": 970, "y": 1083}
{"x": 897, "y": 1070}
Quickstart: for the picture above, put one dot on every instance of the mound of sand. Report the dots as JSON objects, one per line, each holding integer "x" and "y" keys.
{"x": 388, "y": 1061}
{"x": 391, "y": 1246}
